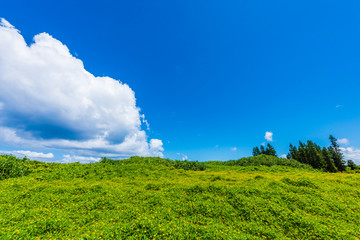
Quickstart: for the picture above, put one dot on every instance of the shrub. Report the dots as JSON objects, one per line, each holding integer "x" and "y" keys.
{"x": 190, "y": 165}
{"x": 11, "y": 167}
{"x": 267, "y": 160}
{"x": 139, "y": 160}
{"x": 157, "y": 161}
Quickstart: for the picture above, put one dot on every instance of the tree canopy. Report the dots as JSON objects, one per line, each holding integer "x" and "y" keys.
{"x": 269, "y": 150}
{"x": 329, "y": 159}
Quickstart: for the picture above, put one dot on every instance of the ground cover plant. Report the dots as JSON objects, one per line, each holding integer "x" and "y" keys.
{"x": 154, "y": 198}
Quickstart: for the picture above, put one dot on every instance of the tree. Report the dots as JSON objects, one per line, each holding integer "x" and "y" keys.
{"x": 312, "y": 154}
{"x": 330, "y": 166}
{"x": 330, "y": 159}
{"x": 334, "y": 144}
{"x": 256, "y": 151}
{"x": 336, "y": 154}
{"x": 269, "y": 150}
{"x": 262, "y": 149}
{"x": 351, "y": 164}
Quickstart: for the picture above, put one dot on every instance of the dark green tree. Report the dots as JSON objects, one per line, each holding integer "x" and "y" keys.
{"x": 330, "y": 166}
{"x": 262, "y": 149}
{"x": 270, "y": 150}
{"x": 309, "y": 153}
{"x": 336, "y": 154}
{"x": 351, "y": 164}
{"x": 256, "y": 151}
{"x": 330, "y": 159}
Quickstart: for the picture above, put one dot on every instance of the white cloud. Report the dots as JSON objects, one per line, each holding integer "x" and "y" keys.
{"x": 233, "y": 149}
{"x": 344, "y": 141}
{"x": 82, "y": 159}
{"x": 145, "y": 121}
{"x": 351, "y": 153}
{"x": 268, "y": 136}
{"x": 156, "y": 147}
{"x": 5, "y": 23}
{"x": 50, "y": 101}
{"x": 183, "y": 156}
{"x": 29, "y": 154}
{"x": 283, "y": 156}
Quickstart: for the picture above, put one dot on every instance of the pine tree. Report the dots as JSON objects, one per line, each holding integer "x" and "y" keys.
{"x": 310, "y": 153}
{"x": 314, "y": 155}
{"x": 336, "y": 154}
{"x": 262, "y": 149}
{"x": 293, "y": 153}
{"x": 330, "y": 166}
{"x": 270, "y": 150}
{"x": 256, "y": 151}
{"x": 334, "y": 144}
{"x": 302, "y": 156}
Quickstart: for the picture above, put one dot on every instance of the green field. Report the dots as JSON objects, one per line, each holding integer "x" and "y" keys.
{"x": 152, "y": 198}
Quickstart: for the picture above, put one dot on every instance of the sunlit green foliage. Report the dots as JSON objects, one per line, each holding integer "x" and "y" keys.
{"x": 148, "y": 198}
{"x": 155, "y": 161}
{"x": 266, "y": 160}
{"x": 11, "y": 167}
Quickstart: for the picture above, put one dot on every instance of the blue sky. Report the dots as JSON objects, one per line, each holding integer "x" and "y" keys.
{"x": 210, "y": 77}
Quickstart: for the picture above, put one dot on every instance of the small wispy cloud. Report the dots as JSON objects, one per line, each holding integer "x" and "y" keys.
{"x": 145, "y": 121}
{"x": 233, "y": 149}
{"x": 183, "y": 156}
{"x": 269, "y": 136}
{"x": 344, "y": 141}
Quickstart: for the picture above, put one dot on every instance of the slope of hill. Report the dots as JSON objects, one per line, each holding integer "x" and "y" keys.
{"x": 153, "y": 198}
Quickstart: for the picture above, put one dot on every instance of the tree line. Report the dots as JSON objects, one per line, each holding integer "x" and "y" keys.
{"x": 329, "y": 159}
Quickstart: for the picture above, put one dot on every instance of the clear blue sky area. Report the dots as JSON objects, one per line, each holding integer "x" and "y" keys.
{"x": 212, "y": 77}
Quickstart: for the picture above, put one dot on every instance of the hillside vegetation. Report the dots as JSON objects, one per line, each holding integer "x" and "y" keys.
{"x": 262, "y": 197}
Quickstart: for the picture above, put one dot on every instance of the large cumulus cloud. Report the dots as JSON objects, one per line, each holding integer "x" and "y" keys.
{"x": 49, "y": 101}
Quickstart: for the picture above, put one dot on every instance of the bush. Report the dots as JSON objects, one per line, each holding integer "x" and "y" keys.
{"x": 12, "y": 167}
{"x": 267, "y": 160}
{"x": 190, "y": 165}
{"x": 139, "y": 160}
{"x": 156, "y": 161}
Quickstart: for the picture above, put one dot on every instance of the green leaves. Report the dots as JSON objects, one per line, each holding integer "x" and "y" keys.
{"x": 12, "y": 167}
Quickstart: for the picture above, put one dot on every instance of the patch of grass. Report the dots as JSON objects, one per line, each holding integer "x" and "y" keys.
{"x": 151, "y": 199}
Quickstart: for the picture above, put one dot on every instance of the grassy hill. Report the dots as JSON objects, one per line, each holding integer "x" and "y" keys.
{"x": 154, "y": 198}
